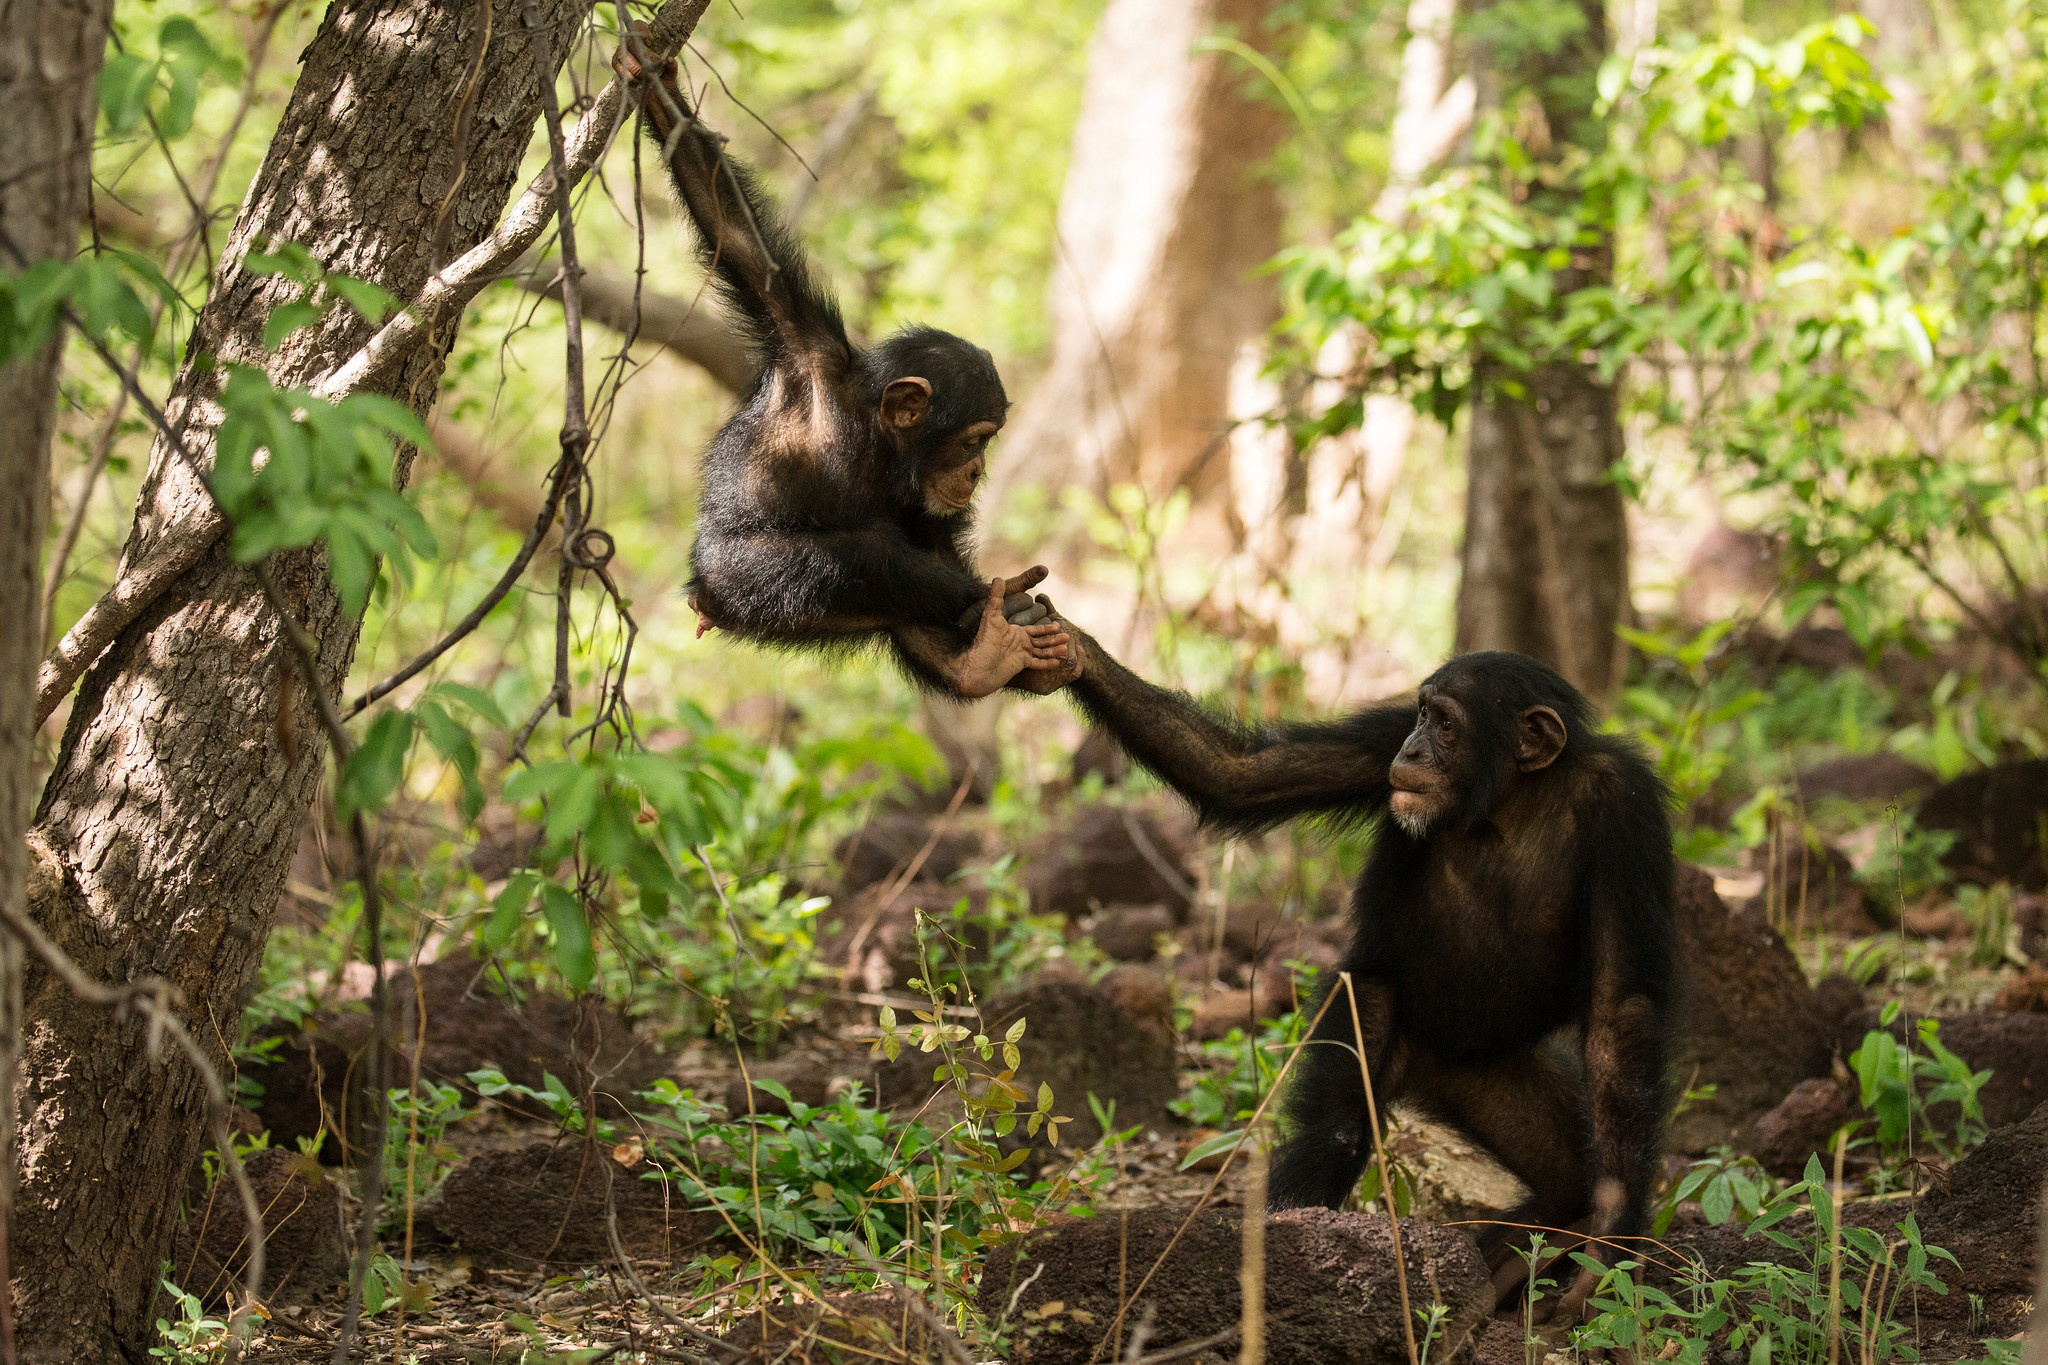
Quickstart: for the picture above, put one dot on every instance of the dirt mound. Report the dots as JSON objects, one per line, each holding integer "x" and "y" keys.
{"x": 1078, "y": 1040}
{"x": 320, "y": 1066}
{"x": 1747, "y": 1022}
{"x": 1113, "y": 855}
{"x": 1331, "y": 1296}
{"x": 1130, "y": 933}
{"x": 872, "y": 936}
{"x": 1997, "y": 814}
{"x": 1801, "y": 1125}
{"x": 544, "y": 1204}
{"x": 888, "y": 844}
{"x": 2013, "y": 1047}
{"x": 1983, "y": 1211}
{"x": 1809, "y": 883}
{"x": 1864, "y": 778}
{"x": 304, "y": 1255}
{"x": 881, "y": 1326}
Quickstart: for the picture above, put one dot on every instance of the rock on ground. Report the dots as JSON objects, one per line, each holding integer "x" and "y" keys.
{"x": 881, "y": 1326}
{"x": 1997, "y": 815}
{"x": 1747, "y": 1022}
{"x": 1802, "y": 1124}
{"x": 2013, "y": 1047}
{"x": 1113, "y": 855}
{"x": 467, "y": 1029}
{"x": 1331, "y": 1292}
{"x": 1080, "y": 1042}
{"x": 544, "y": 1204}
{"x": 886, "y": 846}
{"x": 304, "y": 1253}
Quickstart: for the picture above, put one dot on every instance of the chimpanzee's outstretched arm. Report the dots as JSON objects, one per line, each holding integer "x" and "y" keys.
{"x": 741, "y": 236}
{"x": 1238, "y": 778}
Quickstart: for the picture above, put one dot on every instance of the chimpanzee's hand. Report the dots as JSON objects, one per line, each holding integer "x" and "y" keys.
{"x": 1068, "y": 660}
{"x": 1002, "y": 650}
{"x": 1019, "y": 607}
{"x": 628, "y": 66}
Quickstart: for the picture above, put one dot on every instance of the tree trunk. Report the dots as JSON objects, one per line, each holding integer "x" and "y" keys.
{"x": 50, "y": 58}
{"x": 167, "y": 826}
{"x": 1163, "y": 221}
{"x": 1545, "y": 562}
{"x": 1546, "y": 535}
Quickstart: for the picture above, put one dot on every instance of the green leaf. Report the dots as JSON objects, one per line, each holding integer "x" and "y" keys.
{"x": 575, "y": 958}
{"x": 125, "y": 84}
{"x": 285, "y": 319}
{"x": 373, "y": 772}
{"x": 508, "y": 909}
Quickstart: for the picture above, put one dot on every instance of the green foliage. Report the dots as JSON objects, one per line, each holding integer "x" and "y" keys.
{"x": 162, "y": 89}
{"x": 193, "y": 1338}
{"x": 416, "y": 1153}
{"x": 1769, "y": 1311}
{"x": 99, "y": 289}
{"x": 1900, "y": 1082}
{"x": 1724, "y": 1184}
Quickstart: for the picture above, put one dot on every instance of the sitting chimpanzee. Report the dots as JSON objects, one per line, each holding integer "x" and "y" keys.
{"x": 836, "y": 504}
{"x": 1513, "y": 956}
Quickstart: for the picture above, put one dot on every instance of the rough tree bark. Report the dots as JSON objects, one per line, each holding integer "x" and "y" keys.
{"x": 166, "y": 828}
{"x": 50, "y": 58}
{"x": 1162, "y": 222}
{"x": 1545, "y": 561}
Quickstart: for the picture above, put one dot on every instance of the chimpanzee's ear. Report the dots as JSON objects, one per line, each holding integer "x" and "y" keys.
{"x": 905, "y": 403}
{"x": 1539, "y": 739}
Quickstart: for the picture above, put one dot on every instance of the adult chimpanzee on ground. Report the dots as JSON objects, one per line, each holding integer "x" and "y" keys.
{"x": 836, "y": 504}
{"x": 1513, "y": 956}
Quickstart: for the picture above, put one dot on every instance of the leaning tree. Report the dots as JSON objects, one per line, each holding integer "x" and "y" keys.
{"x": 191, "y": 755}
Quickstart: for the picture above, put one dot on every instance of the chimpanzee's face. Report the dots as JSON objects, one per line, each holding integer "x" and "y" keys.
{"x": 1462, "y": 759}
{"x": 953, "y": 470}
{"x": 1427, "y": 773}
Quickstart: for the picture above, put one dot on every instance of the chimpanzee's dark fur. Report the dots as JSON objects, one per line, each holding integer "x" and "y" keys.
{"x": 1512, "y": 963}
{"x": 812, "y": 528}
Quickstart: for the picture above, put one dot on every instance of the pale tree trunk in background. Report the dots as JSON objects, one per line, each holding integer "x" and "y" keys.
{"x": 1349, "y": 478}
{"x": 1906, "y": 43}
{"x": 1305, "y": 521}
{"x": 167, "y": 826}
{"x": 1162, "y": 222}
{"x": 1545, "y": 562}
{"x": 50, "y": 56}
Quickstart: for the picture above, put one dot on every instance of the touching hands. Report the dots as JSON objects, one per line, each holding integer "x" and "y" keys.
{"x": 1005, "y": 651}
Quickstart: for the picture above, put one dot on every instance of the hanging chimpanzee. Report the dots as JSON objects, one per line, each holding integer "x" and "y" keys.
{"x": 836, "y": 504}
{"x": 1513, "y": 955}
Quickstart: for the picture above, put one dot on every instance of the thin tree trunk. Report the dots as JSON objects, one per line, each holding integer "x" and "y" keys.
{"x": 1545, "y": 561}
{"x": 169, "y": 821}
{"x": 1163, "y": 221}
{"x": 1546, "y": 533}
{"x": 50, "y": 57}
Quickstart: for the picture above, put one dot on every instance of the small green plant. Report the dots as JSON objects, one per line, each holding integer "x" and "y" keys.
{"x": 1900, "y": 1083}
{"x": 1241, "y": 1071}
{"x": 1777, "y": 1308}
{"x": 193, "y": 1338}
{"x": 1994, "y": 933}
{"x": 1724, "y": 1184}
{"x": 416, "y": 1155}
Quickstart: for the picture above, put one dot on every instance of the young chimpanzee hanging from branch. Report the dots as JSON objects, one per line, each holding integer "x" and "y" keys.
{"x": 1514, "y": 950}
{"x": 836, "y": 504}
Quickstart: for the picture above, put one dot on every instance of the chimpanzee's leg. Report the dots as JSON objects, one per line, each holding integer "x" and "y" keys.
{"x": 1330, "y": 1136}
{"x": 1529, "y": 1111}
